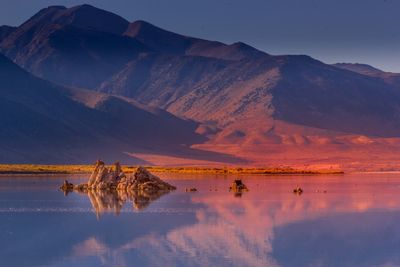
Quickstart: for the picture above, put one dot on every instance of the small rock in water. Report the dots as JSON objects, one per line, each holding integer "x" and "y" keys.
{"x": 191, "y": 189}
{"x": 298, "y": 191}
{"x": 238, "y": 186}
{"x": 67, "y": 186}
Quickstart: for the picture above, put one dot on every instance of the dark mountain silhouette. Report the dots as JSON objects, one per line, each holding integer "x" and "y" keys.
{"x": 6, "y": 31}
{"x": 46, "y": 123}
{"x": 246, "y": 101}
{"x": 79, "y": 46}
{"x": 84, "y": 46}
{"x": 167, "y": 42}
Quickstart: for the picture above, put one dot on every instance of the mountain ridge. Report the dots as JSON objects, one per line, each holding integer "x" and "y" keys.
{"x": 47, "y": 123}
{"x": 368, "y": 70}
{"x": 242, "y": 99}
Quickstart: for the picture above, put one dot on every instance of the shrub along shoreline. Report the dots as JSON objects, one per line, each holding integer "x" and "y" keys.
{"x": 31, "y": 169}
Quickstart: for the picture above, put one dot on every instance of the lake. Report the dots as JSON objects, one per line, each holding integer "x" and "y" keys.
{"x": 339, "y": 220}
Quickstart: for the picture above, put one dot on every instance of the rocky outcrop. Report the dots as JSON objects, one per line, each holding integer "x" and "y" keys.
{"x": 143, "y": 180}
{"x": 109, "y": 189}
{"x": 192, "y": 189}
{"x": 114, "y": 179}
{"x": 102, "y": 177}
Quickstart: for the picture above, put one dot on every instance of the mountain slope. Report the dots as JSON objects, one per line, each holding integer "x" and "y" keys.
{"x": 79, "y": 46}
{"x": 45, "y": 123}
{"x": 84, "y": 46}
{"x": 200, "y": 79}
{"x": 246, "y": 101}
{"x": 5, "y": 31}
{"x": 167, "y": 42}
{"x": 389, "y": 77}
{"x": 295, "y": 89}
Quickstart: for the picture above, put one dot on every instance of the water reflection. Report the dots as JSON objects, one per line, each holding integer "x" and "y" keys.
{"x": 271, "y": 226}
{"x": 104, "y": 201}
{"x": 337, "y": 221}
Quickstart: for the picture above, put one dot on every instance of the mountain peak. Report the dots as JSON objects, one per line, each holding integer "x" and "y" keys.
{"x": 241, "y": 44}
{"x": 141, "y": 23}
{"x": 143, "y": 29}
{"x": 156, "y": 38}
{"x": 246, "y": 50}
{"x": 359, "y": 68}
{"x": 356, "y": 65}
{"x": 165, "y": 41}
{"x": 87, "y": 16}
{"x": 55, "y": 7}
{"x": 86, "y": 6}
{"x": 49, "y": 9}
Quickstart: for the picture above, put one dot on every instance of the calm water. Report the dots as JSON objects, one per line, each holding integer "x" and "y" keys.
{"x": 355, "y": 223}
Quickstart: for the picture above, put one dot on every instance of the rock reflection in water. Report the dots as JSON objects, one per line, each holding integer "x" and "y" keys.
{"x": 109, "y": 189}
{"x": 113, "y": 201}
{"x": 349, "y": 220}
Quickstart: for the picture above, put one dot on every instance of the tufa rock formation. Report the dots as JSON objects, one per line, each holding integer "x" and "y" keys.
{"x": 298, "y": 191}
{"x": 238, "y": 186}
{"x": 192, "y": 189}
{"x": 144, "y": 181}
{"x": 113, "y": 179}
{"x": 67, "y": 187}
{"x": 103, "y": 178}
{"x": 109, "y": 189}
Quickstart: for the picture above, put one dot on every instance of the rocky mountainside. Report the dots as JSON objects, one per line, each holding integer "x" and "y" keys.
{"x": 243, "y": 99}
{"x": 46, "y": 123}
{"x": 198, "y": 79}
{"x": 84, "y": 46}
{"x": 166, "y": 42}
{"x": 295, "y": 89}
{"x": 79, "y": 46}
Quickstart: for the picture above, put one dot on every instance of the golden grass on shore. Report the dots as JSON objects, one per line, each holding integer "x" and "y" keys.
{"x": 84, "y": 169}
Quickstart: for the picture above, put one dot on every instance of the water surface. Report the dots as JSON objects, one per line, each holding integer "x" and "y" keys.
{"x": 343, "y": 220}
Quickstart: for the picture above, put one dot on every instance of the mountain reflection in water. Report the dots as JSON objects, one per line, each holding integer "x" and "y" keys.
{"x": 355, "y": 223}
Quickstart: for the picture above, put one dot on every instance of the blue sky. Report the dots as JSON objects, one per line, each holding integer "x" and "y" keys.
{"x": 364, "y": 31}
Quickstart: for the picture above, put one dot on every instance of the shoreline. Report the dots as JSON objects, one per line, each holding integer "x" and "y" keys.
{"x": 50, "y": 170}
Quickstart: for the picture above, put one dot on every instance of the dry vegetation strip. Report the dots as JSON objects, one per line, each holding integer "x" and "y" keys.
{"x": 83, "y": 169}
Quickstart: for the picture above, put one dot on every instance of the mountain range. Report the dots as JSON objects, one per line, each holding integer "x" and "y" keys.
{"x": 44, "y": 122}
{"x": 92, "y": 84}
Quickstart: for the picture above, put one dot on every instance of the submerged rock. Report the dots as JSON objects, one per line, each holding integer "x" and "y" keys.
{"x": 238, "y": 186}
{"x": 67, "y": 186}
{"x": 298, "y": 191}
{"x": 191, "y": 189}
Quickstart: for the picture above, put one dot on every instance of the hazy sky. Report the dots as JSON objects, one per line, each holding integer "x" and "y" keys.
{"x": 365, "y": 31}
